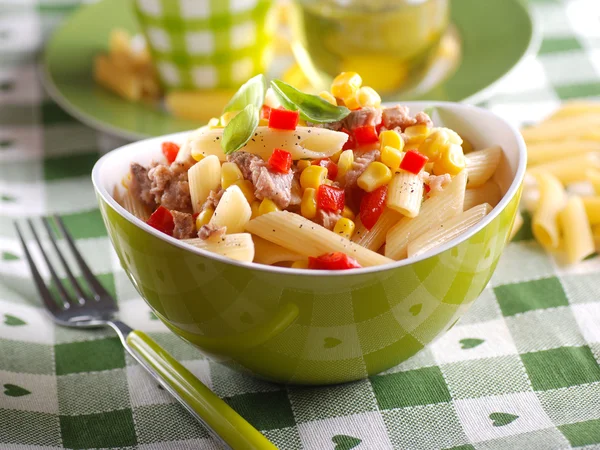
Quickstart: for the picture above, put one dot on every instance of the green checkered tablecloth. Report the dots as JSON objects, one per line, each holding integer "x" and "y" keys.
{"x": 519, "y": 371}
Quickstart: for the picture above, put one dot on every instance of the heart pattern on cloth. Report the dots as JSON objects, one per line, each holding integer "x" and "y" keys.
{"x": 8, "y": 256}
{"x": 345, "y": 442}
{"x": 7, "y": 198}
{"x": 330, "y": 342}
{"x": 415, "y": 309}
{"x": 12, "y": 390}
{"x": 468, "y": 343}
{"x": 5, "y": 143}
{"x": 13, "y": 321}
{"x": 499, "y": 419}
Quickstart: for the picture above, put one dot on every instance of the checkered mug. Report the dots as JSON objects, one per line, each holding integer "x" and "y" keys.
{"x": 206, "y": 44}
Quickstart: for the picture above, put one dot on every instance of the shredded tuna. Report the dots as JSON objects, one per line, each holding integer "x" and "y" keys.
{"x": 398, "y": 118}
{"x": 243, "y": 161}
{"x": 359, "y": 166}
{"x": 423, "y": 119}
{"x": 211, "y": 231}
{"x": 170, "y": 189}
{"x": 296, "y": 192}
{"x": 214, "y": 197}
{"x": 184, "y": 225}
{"x": 327, "y": 219}
{"x": 271, "y": 185}
{"x": 367, "y": 116}
{"x": 437, "y": 183}
{"x": 141, "y": 185}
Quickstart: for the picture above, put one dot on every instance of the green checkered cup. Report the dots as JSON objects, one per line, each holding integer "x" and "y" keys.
{"x": 206, "y": 44}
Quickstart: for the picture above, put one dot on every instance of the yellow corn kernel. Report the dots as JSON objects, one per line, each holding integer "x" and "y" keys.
{"x": 391, "y": 157}
{"x": 348, "y": 213}
{"x": 351, "y": 102}
{"x": 204, "y": 217}
{"x": 255, "y": 205}
{"x": 263, "y": 122}
{"x": 435, "y": 144}
{"x": 303, "y": 164}
{"x": 226, "y": 118}
{"x": 344, "y": 227}
{"x": 453, "y": 136}
{"x": 247, "y": 189}
{"x": 416, "y": 134}
{"x": 367, "y": 96}
{"x": 376, "y": 175}
{"x": 327, "y": 96}
{"x": 313, "y": 177}
{"x": 267, "y": 206}
{"x": 345, "y": 84}
{"x": 302, "y": 264}
{"x": 451, "y": 161}
{"x": 336, "y": 156}
{"x": 391, "y": 138}
{"x": 197, "y": 155}
{"x": 308, "y": 206}
{"x": 345, "y": 163}
{"x": 230, "y": 174}
{"x": 214, "y": 123}
{"x": 467, "y": 146}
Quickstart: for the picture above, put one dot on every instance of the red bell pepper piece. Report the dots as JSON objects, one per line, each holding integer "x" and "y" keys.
{"x": 366, "y": 135}
{"x": 330, "y": 198}
{"x": 280, "y": 161}
{"x": 332, "y": 168}
{"x": 378, "y": 128}
{"x": 333, "y": 261}
{"x": 371, "y": 206}
{"x": 413, "y": 161}
{"x": 350, "y": 144}
{"x": 170, "y": 150}
{"x": 265, "y": 112}
{"x": 162, "y": 220}
{"x": 282, "y": 119}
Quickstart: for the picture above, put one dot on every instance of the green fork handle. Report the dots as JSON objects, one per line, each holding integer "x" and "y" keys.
{"x": 228, "y": 426}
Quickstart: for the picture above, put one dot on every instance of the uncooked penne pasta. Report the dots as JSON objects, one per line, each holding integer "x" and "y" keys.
{"x": 545, "y": 219}
{"x": 578, "y": 239}
{"x": 235, "y": 246}
{"x": 576, "y": 108}
{"x": 203, "y": 177}
{"x": 303, "y": 236}
{"x": 447, "y": 231}
{"x": 517, "y": 225}
{"x": 592, "y": 208}
{"x": 561, "y": 129}
{"x": 570, "y": 170}
{"x": 434, "y": 211}
{"x": 112, "y": 77}
{"x": 233, "y": 211}
{"x": 593, "y": 176}
{"x": 542, "y": 152}
{"x": 488, "y": 193}
{"x": 482, "y": 164}
{"x": 373, "y": 239}
{"x": 405, "y": 193}
{"x": 266, "y": 252}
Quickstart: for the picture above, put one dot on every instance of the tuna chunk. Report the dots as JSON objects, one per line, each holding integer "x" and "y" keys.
{"x": 141, "y": 185}
{"x": 360, "y": 118}
{"x": 350, "y": 182}
{"x": 327, "y": 219}
{"x": 243, "y": 161}
{"x": 271, "y": 185}
{"x": 214, "y": 197}
{"x": 170, "y": 189}
{"x": 211, "y": 231}
{"x": 423, "y": 119}
{"x": 296, "y": 192}
{"x": 184, "y": 225}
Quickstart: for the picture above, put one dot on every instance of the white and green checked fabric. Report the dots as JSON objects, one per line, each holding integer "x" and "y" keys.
{"x": 205, "y": 44}
{"x": 519, "y": 371}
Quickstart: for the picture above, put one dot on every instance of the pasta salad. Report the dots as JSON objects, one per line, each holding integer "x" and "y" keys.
{"x": 329, "y": 182}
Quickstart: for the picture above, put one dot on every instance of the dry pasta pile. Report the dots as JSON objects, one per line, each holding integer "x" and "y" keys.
{"x": 563, "y": 191}
{"x": 329, "y": 182}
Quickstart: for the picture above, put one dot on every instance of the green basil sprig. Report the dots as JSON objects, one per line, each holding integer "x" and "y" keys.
{"x": 252, "y": 92}
{"x": 240, "y": 129}
{"x": 311, "y": 107}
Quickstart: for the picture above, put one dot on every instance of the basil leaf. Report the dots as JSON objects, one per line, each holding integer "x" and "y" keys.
{"x": 312, "y": 107}
{"x": 252, "y": 92}
{"x": 240, "y": 129}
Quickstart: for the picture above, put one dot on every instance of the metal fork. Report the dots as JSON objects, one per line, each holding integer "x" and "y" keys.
{"x": 99, "y": 310}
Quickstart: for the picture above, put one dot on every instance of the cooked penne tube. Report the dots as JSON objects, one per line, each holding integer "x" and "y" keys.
{"x": 203, "y": 177}
{"x": 233, "y": 211}
{"x": 405, "y": 193}
{"x": 298, "y": 234}
{"x": 592, "y": 208}
{"x": 558, "y": 129}
{"x": 266, "y": 252}
{"x": 576, "y": 108}
{"x": 124, "y": 83}
{"x": 434, "y": 212}
{"x": 578, "y": 239}
{"x": 303, "y": 142}
{"x": 482, "y": 164}
{"x": 375, "y": 238}
{"x": 235, "y": 246}
{"x": 545, "y": 219}
{"x": 488, "y": 193}
{"x": 517, "y": 225}
{"x": 542, "y": 152}
{"x": 134, "y": 205}
{"x": 448, "y": 230}
{"x": 569, "y": 170}
{"x": 593, "y": 175}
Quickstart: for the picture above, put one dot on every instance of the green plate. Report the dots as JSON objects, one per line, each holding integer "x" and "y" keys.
{"x": 495, "y": 36}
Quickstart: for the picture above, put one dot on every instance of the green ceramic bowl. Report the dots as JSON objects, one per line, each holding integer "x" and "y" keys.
{"x": 307, "y": 327}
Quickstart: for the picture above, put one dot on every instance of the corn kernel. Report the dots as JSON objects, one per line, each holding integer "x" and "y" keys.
{"x": 391, "y": 157}
{"x": 453, "y": 136}
{"x": 214, "y": 123}
{"x": 391, "y": 138}
{"x": 345, "y": 163}
{"x": 302, "y": 264}
{"x": 255, "y": 205}
{"x": 197, "y": 154}
{"x": 327, "y": 96}
{"x": 451, "y": 161}
{"x": 351, "y": 102}
{"x": 416, "y": 134}
{"x": 435, "y": 144}
{"x": 344, "y": 227}
{"x": 375, "y": 176}
{"x": 335, "y": 157}
{"x": 204, "y": 217}
{"x": 226, "y": 118}
{"x": 348, "y": 213}
{"x": 230, "y": 174}
{"x": 308, "y": 206}
{"x": 367, "y": 96}
{"x": 263, "y": 122}
{"x": 313, "y": 177}
{"x": 247, "y": 189}
{"x": 467, "y": 146}
{"x": 267, "y": 206}
{"x": 303, "y": 164}
{"x": 345, "y": 84}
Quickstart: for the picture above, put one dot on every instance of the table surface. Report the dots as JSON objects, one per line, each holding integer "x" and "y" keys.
{"x": 520, "y": 370}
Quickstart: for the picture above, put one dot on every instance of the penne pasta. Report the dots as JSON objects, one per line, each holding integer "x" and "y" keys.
{"x": 298, "y": 234}
{"x": 266, "y": 252}
{"x": 203, "y": 177}
{"x": 488, "y": 193}
{"x": 551, "y": 202}
{"x": 135, "y": 206}
{"x": 570, "y": 170}
{"x": 517, "y": 225}
{"x": 592, "y": 208}
{"x": 542, "y": 152}
{"x": 593, "y": 176}
{"x": 235, "y": 246}
{"x": 576, "y": 108}
{"x": 448, "y": 230}
{"x": 405, "y": 193}
{"x": 108, "y": 74}
{"x": 596, "y": 235}
{"x": 373, "y": 239}
{"x": 434, "y": 212}
{"x": 233, "y": 211}
{"x": 561, "y": 128}
{"x": 578, "y": 240}
{"x": 482, "y": 164}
